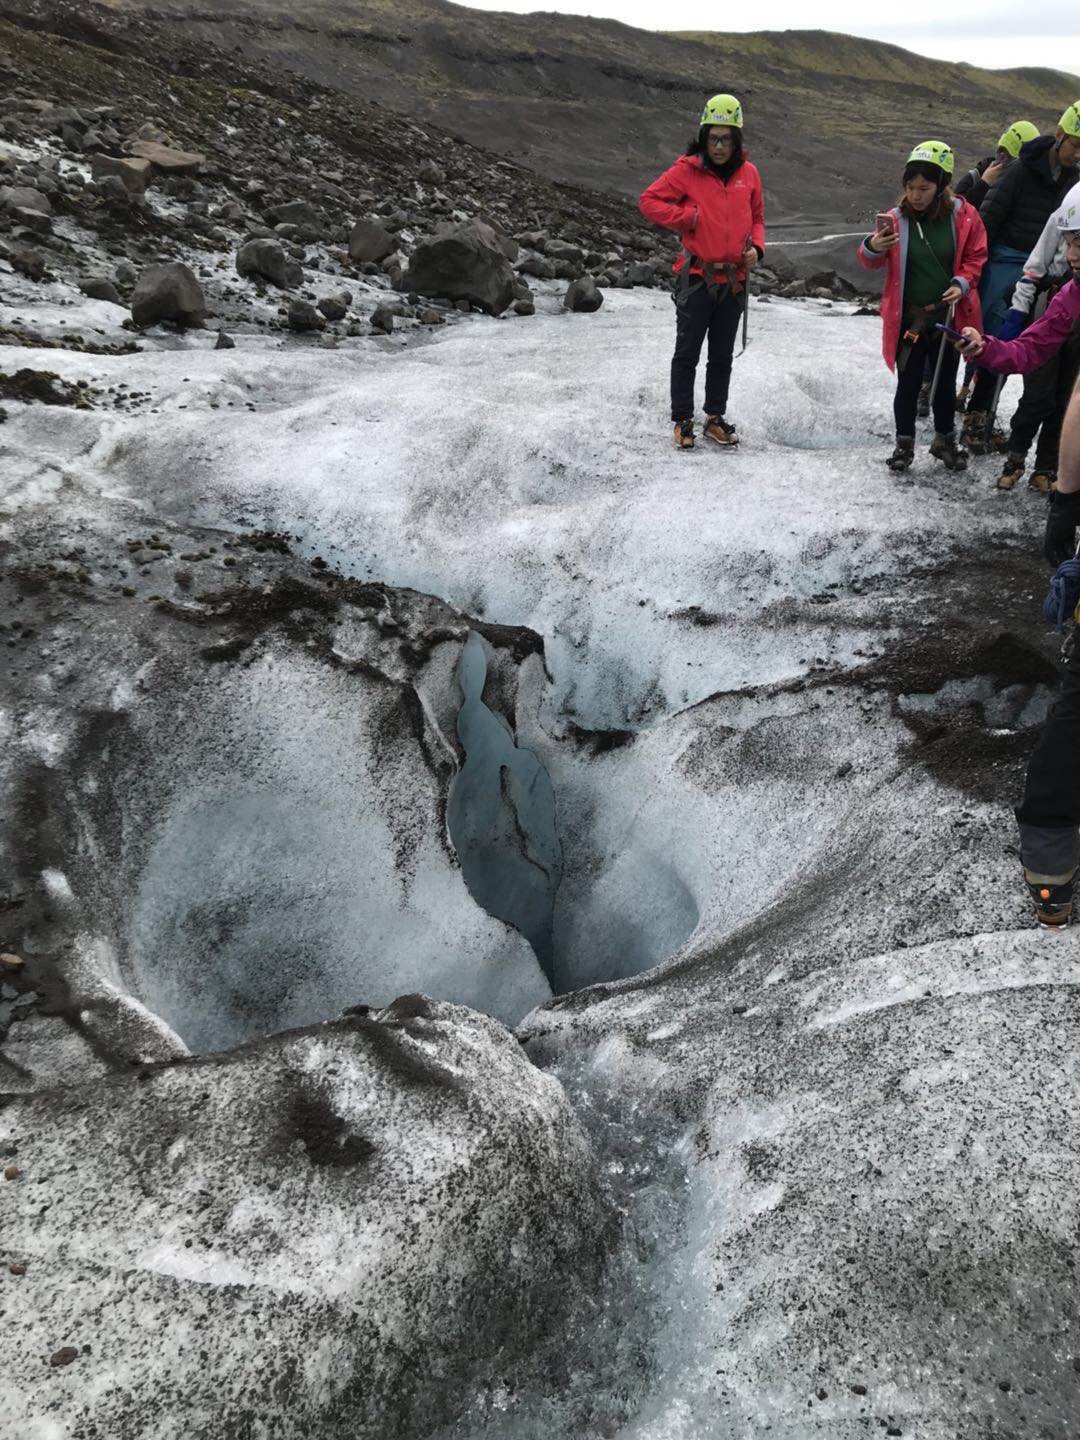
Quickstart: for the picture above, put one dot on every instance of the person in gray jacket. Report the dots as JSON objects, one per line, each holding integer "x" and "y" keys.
{"x": 1046, "y": 390}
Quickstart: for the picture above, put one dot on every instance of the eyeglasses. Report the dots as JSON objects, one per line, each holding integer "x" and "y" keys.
{"x": 721, "y": 140}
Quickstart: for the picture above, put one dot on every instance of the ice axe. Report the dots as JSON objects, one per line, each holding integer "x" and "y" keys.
{"x": 991, "y": 414}
{"x": 746, "y": 299}
{"x": 941, "y": 355}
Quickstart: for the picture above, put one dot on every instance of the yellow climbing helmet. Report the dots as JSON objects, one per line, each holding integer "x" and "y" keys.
{"x": 1070, "y": 121}
{"x": 1018, "y": 133}
{"x": 933, "y": 152}
{"x": 722, "y": 110}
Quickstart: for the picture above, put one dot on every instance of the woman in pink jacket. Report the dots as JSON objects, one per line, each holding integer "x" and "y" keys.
{"x": 712, "y": 198}
{"x": 933, "y": 248}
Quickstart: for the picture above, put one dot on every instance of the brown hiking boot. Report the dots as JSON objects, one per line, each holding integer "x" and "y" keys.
{"x": 1014, "y": 469}
{"x": 684, "y": 435}
{"x": 975, "y": 438}
{"x": 718, "y": 429}
{"x": 1042, "y": 481}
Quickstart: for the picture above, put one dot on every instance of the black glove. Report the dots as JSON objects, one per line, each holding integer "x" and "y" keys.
{"x": 1062, "y": 518}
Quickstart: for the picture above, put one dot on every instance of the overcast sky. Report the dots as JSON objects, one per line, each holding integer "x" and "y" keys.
{"x": 996, "y": 34}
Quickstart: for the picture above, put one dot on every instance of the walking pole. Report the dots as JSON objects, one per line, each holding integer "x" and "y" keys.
{"x": 940, "y": 356}
{"x": 991, "y": 414}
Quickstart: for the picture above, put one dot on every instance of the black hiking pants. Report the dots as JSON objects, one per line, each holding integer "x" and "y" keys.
{"x": 1049, "y": 815}
{"x": 982, "y": 392}
{"x": 702, "y": 312}
{"x": 1042, "y": 406}
{"x": 909, "y": 380}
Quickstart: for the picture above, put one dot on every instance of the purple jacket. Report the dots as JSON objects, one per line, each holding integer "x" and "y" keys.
{"x": 1039, "y": 342}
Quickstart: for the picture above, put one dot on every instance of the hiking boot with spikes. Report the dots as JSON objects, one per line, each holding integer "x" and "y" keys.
{"x": 903, "y": 456}
{"x": 718, "y": 429}
{"x": 1053, "y": 899}
{"x": 976, "y": 439}
{"x": 922, "y": 408}
{"x": 962, "y": 397}
{"x": 1012, "y": 472}
{"x": 945, "y": 449}
{"x": 684, "y": 434}
{"x": 1042, "y": 481}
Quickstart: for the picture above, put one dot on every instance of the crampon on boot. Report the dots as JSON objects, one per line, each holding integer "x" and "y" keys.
{"x": 977, "y": 440}
{"x": 945, "y": 449}
{"x": 962, "y": 397}
{"x": 718, "y": 429}
{"x": 903, "y": 456}
{"x": 1042, "y": 481}
{"x": 1011, "y": 472}
{"x": 1053, "y": 899}
{"x": 922, "y": 407}
{"x": 684, "y": 434}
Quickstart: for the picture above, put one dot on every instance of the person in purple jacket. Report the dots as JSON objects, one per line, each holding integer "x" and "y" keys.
{"x": 1049, "y": 814}
{"x": 1041, "y": 341}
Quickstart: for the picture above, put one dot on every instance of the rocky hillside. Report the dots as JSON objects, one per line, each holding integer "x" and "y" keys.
{"x": 607, "y": 105}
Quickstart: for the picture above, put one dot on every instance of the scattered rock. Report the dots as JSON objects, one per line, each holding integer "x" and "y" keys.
{"x": 224, "y": 342}
{"x": 464, "y": 263}
{"x": 168, "y": 292}
{"x": 8, "y": 961}
{"x": 334, "y": 307}
{"x": 303, "y": 316}
{"x": 168, "y": 160}
{"x": 266, "y": 260}
{"x": 370, "y": 242}
{"x": 583, "y": 296}
{"x": 133, "y": 174}
{"x": 64, "y": 1356}
{"x": 96, "y": 287}
{"x": 383, "y": 319}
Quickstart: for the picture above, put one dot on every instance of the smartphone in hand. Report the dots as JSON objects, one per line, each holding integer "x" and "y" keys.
{"x": 885, "y": 223}
{"x": 949, "y": 331}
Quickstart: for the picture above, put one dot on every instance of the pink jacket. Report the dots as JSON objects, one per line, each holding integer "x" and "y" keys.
{"x": 970, "y": 258}
{"x": 1040, "y": 341}
{"x": 713, "y": 217}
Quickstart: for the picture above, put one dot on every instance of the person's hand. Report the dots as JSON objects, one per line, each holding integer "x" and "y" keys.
{"x": 881, "y": 241}
{"x": 952, "y": 295}
{"x": 992, "y": 174}
{"x": 749, "y": 258}
{"x": 1011, "y": 326}
{"x": 972, "y": 344}
{"x": 1062, "y": 517}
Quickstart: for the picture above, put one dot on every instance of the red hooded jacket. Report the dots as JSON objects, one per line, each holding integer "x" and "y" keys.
{"x": 713, "y": 217}
{"x": 968, "y": 261}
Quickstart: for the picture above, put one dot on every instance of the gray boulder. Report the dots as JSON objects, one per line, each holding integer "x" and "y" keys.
{"x": 583, "y": 296}
{"x": 370, "y": 242}
{"x": 96, "y": 287}
{"x": 132, "y": 172}
{"x": 463, "y": 263}
{"x": 303, "y": 316}
{"x": 297, "y": 212}
{"x": 561, "y": 250}
{"x": 168, "y": 292}
{"x": 266, "y": 260}
{"x": 334, "y": 307}
{"x": 24, "y": 198}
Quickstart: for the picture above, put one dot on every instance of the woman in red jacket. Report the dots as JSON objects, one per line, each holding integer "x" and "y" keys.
{"x": 711, "y": 197}
{"x": 933, "y": 249}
